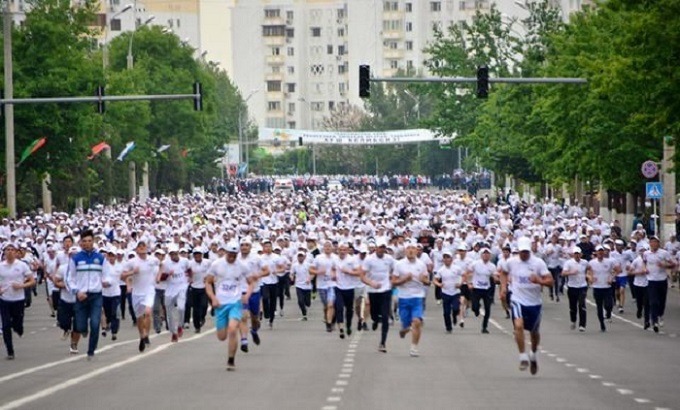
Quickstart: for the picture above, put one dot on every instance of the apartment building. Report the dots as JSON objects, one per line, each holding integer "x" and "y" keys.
{"x": 296, "y": 61}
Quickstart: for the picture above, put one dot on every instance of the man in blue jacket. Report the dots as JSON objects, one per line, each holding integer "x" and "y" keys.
{"x": 84, "y": 279}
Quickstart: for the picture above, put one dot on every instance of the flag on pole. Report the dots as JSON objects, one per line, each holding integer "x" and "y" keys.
{"x": 97, "y": 149}
{"x": 128, "y": 148}
{"x": 162, "y": 148}
{"x": 35, "y": 145}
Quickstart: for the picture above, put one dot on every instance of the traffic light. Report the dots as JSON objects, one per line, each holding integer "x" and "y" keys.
{"x": 483, "y": 82}
{"x": 198, "y": 97}
{"x": 101, "y": 108}
{"x": 364, "y": 81}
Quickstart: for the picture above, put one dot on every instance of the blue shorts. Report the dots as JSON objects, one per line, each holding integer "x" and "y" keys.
{"x": 621, "y": 281}
{"x": 226, "y": 313}
{"x": 531, "y": 315}
{"x": 327, "y": 296}
{"x": 409, "y": 309}
{"x": 253, "y": 305}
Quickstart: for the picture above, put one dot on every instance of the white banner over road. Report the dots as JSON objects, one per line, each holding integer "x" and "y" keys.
{"x": 347, "y": 138}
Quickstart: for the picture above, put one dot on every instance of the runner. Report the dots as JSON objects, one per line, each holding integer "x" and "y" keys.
{"x": 347, "y": 279}
{"x": 602, "y": 274}
{"x": 111, "y": 294}
{"x": 303, "y": 284}
{"x": 143, "y": 270}
{"x": 228, "y": 275}
{"x": 84, "y": 279}
{"x": 575, "y": 270}
{"x": 375, "y": 273}
{"x": 525, "y": 277}
{"x": 15, "y": 276}
{"x": 410, "y": 275}
{"x": 638, "y": 268}
{"x": 658, "y": 261}
{"x": 198, "y": 267}
{"x": 324, "y": 268}
{"x": 176, "y": 271}
{"x": 449, "y": 278}
{"x": 257, "y": 271}
{"x": 479, "y": 276}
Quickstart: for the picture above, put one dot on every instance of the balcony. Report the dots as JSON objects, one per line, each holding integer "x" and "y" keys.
{"x": 274, "y": 21}
{"x": 393, "y": 34}
{"x": 275, "y": 41}
{"x": 273, "y": 77}
{"x": 393, "y": 54}
{"x": 275, "y": 60}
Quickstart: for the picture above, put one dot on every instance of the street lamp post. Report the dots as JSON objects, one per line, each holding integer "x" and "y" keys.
{"x": 105, "y": 51}
{"x": 243, "y": 145}
{"x": 130, "y": 58}
{"x": 311, "y": 126}
{"x": 416, "y": 107}
{"x": 10, "y": 184}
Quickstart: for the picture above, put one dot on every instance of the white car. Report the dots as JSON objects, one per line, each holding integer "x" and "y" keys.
{"x": 283, "y": 185}
{"x": 334, "y": 185}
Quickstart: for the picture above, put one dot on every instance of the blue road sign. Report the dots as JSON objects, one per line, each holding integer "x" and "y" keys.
{"x": 654, "y": 190}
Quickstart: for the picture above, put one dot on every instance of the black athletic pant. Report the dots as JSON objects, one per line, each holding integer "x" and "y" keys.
{"x": 482, "y": 295}
{"x": 304, "y": 299}
{"x": 282, "y": 288}
{"x": 344, "y": 306}
{"x": 604, "y": 304}
{"x": 199, "y": 307}
{"x": 12, "y": 314}
{"x": 642, "y": 303}
{"x": 577, "y": 305}
{"x": 269, "y": 301}
{"x": 380, "y": 311}
{"x": 657, "y": 290}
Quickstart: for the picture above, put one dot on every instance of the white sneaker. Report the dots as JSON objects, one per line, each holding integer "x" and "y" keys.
{"x": 660, "y": 322}
{"x": 281, "y": 313}
{"x": 413, "y": 352}
{"x": 523, "y": 361}
{"x": 573, "y": 325}
{"x": 581, "y": 329}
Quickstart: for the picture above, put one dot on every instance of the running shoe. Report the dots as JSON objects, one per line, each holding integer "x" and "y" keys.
{"x": 73, "y": 349}
{"x": 413, "y": 352}
{"x": 382, "y": 348}
{"x": 231, "y": 366}
{"x": 256, "y": 337}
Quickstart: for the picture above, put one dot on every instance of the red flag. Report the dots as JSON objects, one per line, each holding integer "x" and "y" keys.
{"x": 97, "y": 149}
{"x": 31, "y": 149}
{"x": 185, "y": 152}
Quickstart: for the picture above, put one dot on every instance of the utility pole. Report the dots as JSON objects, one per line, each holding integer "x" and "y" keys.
{"x": 10, "y": 181}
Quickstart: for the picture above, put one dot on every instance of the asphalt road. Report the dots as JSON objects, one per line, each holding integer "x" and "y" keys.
{"x": 300, "y": 366}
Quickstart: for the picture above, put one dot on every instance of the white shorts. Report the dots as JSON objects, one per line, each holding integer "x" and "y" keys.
{"x": 141, "y": 302}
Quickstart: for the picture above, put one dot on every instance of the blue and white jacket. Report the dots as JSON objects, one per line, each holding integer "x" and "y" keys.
{"x": 85, "y": 272}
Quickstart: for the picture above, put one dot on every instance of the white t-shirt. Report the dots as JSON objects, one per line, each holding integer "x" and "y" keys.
{"x": 17, "y": 272}
{"x": 324, "y": 265}
{"x": 111, "y": 275}
{"x": 481, "y": 274}
{"x": 450, "y": 277}
{"x": 178, "y": 280}
{"x": 638, "y": 265}
{"x": 602, "y": 273}
{"x": 198, "y": 273}
{"x": 64, "y": 294}
{"x": 524, "y": 291}
{"x": 254, "y": 265}
{"x": 229, "y": 278}
{"x": 343, "y": 280}
{"x": 378, "y": 270}
{"x": 301, "y": 272}
{"x": 577, "y": 279}
{"x": 653, "y": 259}
{"x": 413, "y": 288}
{"x": 143, "y": 281}
{"x": 272, "y": 261}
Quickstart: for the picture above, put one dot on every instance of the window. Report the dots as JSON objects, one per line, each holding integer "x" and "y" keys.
{"x": 462, "y": 5}
{"x": 317, "y": 106}
{"x": 273, "y": 86}
{"x": 391, "y": 25}
{"x": 115, "y": 25}
{"x": 409, "y": 45}
{"x": 394, "y": 64}
{"x": 273, "y": 31}
{"x": 274, "y": 106}
{"x": 272, "y": 13}
{"x": 342, "y": 88}
{"x": 390, "y": 6}
{"x": 331, "y": 105}
{"x": 316, "y": 69}
{"x": 276, "y": 51}
{"x": 393, "y": 45}
{"x": 341, "y": 32}
{"x": 342, "y": 13}
{"x": 316, "y": 31}
{"x": 178, "y": 23}
{"x": 290, "y": 32}
{"x": 341, "y": 50}
{"x": 291, "y": 125}
{"x": 342, "y": 69}
{"x": 409, "y": 7}
{"x": 436, "y": 26}
{"x": 290, "y": 52}
{"x": 275, "y": 122}
{"x": 409, "y": 65}
{"x": 290, "y": 87}
{"x": 409, "y": 26}
{"x": 289, "y": 15}
{"x": 291, "y": 70}
{"x": 291, "y": 108}
{"x": 435, "y": 6}
{"x": 276, "y": 69}
{"x": 329, "y": 49}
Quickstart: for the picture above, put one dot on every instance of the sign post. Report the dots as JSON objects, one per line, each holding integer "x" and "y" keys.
{"x": 654, "y": 192}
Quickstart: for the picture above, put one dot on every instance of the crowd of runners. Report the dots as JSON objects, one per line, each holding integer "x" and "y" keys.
{"x": 369, "y": 257}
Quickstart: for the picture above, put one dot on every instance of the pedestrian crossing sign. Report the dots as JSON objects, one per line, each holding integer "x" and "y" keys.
{"x": 654, "y": 190}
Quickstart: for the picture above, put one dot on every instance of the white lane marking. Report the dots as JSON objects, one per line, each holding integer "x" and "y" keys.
{"x": 582, "y": 370}
{"x": 70, "y": 359}
{"x": 561, "y": 360}
{"x": 329, "y": 408}
{"x": 349, "y": 365}
{"x": 346, "y": 370}
{"x": 551, "y": 355}
{"x": 642, "y": 401}
{"x": 333, "y": 399}
{"x": 349, "y": 355}
{"x": 595, "y": 376}
{"x": 661, "y": 408}
{"x": 625, "y": 392}
{"x": 351, "y": 350}
{"x": 337, "y": 389}
{"x": 341, "y": 375}
{"x": 349, "y": 360}
{"x": 569, "y": 364}
{"x": 341, "y": 383}
{"x": 608, "y": 384}
{"x": 623, "y": 319}
{"x": 88, "y": 376}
